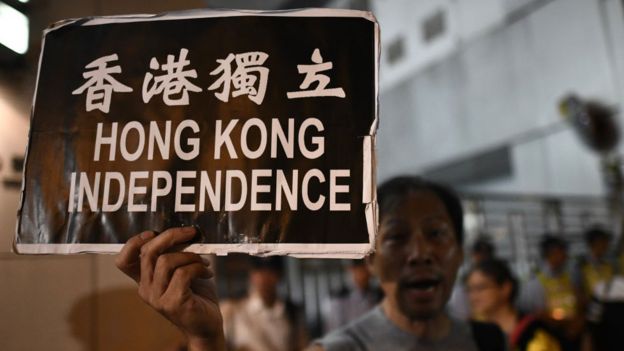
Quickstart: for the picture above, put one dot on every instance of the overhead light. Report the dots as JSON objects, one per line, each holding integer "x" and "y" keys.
{"x": 13, "y": 29}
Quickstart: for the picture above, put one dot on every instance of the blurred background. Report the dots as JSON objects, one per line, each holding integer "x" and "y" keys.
{"x": 516, "y": 103}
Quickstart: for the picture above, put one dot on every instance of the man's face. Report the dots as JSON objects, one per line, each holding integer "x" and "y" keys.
{"x": 360, "y": 275}
{"x": 557, "y": 257}
{"x": 599, "y": 247}
{"x": 265, "y": 282}
{"x": 417, "y": 256}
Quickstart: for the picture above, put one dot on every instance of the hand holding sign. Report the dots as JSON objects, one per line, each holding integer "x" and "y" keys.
{"x": 176, "y": 284}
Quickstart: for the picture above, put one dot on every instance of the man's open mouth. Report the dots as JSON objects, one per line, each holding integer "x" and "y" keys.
{"x": 421, "y": 285}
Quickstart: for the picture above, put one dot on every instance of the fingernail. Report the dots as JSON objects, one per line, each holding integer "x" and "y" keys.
{"x": 147, "y": 235}
{"x": 206, "y": 260}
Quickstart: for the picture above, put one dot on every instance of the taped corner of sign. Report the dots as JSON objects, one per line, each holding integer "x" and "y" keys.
{"x": 14, "y": 245}
{"x": 372, "y": 217}
{"x": 14, "y": 248}
{"x": 369, "y": 191}
{"x": 369, "y": 15}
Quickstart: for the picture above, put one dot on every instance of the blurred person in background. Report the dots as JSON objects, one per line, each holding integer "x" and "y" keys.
{"x": 621, "y": 261}
{"x": 418, "y": 253}
{"x": 481, "y": 250}
{"x": 492, "y": 290}
{"x": 350, "y": 303}
{"x": 605, "y": 311}
{"x": 606, "y": 315}
{"x": 620, "y": 257}
{"x": 595, "y": 267}
{"x": 262, "y": 321}
{"x": 551, "y": 294}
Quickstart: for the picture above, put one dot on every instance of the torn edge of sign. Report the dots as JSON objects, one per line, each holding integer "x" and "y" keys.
{"x": 351, "y": 251}
{"x": 212, "y": 13}
{"x": 369, "y": 193}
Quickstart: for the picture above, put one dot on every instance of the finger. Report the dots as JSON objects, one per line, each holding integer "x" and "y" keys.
{"x": 179, "y": 288}
{"x": 205, "y": 288}
{"x": 166, "y": 264}
{"x": 128, "y": 258}
{"x": 151, "y": 250}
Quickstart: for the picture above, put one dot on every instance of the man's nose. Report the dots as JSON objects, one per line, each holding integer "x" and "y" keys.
{"x": 419, "y": 250}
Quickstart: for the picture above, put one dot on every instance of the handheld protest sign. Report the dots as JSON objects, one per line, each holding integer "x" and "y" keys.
{"x": 256, "y": 127}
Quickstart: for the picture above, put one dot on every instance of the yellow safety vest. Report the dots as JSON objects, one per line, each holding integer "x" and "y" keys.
{"x": 560, "y": 298}
{"x": 543, "y": 342}
{"x": 594, "y": 274}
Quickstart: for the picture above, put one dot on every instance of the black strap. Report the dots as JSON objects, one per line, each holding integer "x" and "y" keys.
{"x": 488, "y": 336}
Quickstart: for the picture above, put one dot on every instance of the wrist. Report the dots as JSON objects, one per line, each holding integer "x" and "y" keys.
{"x": 206, "y": 344}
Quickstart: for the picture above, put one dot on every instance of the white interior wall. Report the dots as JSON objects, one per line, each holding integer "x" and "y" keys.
{"x": 13, "y": 138}
{"x": 502, "y": 88}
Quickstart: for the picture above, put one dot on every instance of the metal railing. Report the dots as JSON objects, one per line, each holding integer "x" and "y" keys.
{"x": 514, "y": 222}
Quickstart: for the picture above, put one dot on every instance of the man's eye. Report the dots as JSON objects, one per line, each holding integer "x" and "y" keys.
{"x": 395, "y": 237}
{"x": 436, "y": 233}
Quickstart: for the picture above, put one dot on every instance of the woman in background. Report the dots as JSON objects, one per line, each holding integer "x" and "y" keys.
{"x": 492, "y": 290}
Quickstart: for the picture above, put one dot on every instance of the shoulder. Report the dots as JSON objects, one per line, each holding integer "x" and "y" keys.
{"x": 581, "y": 262}
{"x": 352, "y": 337}
{"x": 534, "y": 287}
{"x": 531, "y": 290}
{"x": 488, "y": 336}
{"x": 314, "y": 347}
{"x": 339, "y": 340}
{"x": 535, "y": 280}
{"x": 230, "y": 307}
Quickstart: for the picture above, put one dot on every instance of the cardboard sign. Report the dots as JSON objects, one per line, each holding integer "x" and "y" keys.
{"x": 256, "y": 127}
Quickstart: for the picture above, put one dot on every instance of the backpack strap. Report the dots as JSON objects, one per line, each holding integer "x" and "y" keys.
{"x": 488, "y": 336}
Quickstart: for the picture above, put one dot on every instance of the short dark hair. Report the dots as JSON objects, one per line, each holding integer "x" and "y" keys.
{"x": 483, "y": 245}
{"x": 500, "y": 272}
{"x": 393, "y": 191}
{"x": 549, "y": 242}
{"x": 272, "y": 263}
{"x": 357, "y": 262}
{"x": 596, "y": 232}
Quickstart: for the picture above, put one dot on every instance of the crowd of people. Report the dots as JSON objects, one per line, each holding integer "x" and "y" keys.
{"x": 422, "y": 303}
{"x": 555, "y": 308}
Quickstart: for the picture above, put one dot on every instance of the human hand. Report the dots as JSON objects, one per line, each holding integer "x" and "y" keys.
{"x": 176, "y": 284}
